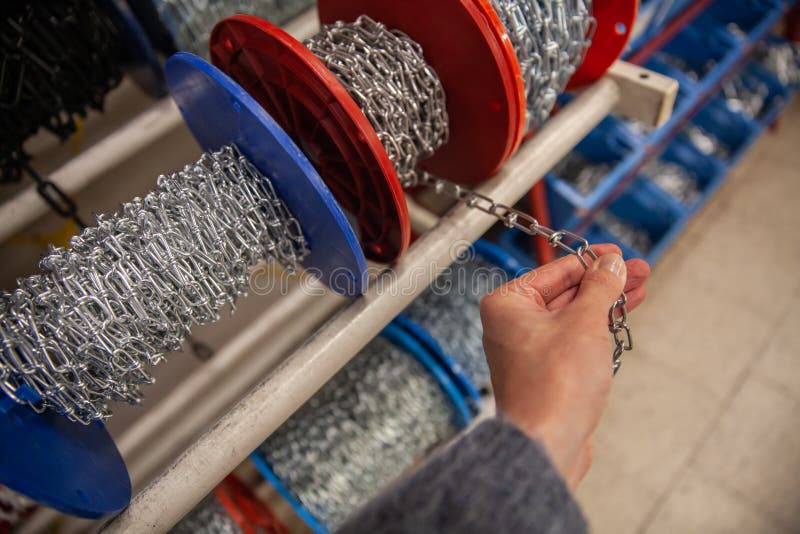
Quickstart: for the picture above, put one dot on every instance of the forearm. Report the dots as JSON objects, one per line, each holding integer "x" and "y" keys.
{"x": 495, "y": 479}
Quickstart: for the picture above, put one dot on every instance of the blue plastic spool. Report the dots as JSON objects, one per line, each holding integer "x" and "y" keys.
{"x": 462, "y": 415}
{"x": 219, "y": 112}
{"x": 71, "y": 467}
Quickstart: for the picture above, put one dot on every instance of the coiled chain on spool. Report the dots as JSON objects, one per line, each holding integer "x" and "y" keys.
{"x": 386, "y": 74}
{"x": 550, "y": 38}
{"x": 383, "y": 409}
{"x": 84, "y": 331}
{"x": 190, "y": 21}
{"x": 449, "y": 310}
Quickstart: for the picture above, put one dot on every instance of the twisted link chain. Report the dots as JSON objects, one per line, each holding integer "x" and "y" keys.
{"x": 550, "y": 38}
{"x": 84, "y": 331}
{"x": 386, "y": 74}
{"x": 383, "y": 409}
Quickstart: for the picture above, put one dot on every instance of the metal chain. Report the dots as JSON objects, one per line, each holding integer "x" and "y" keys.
{"x": 550, "y": 38}
{"x": 386, "y": 74}
{"x": 86, "y": 329}
{"x": 513, "y": 218}
{"x": 57, "y": 61}
{"x": 55, "y": 197}
{"x": 190, "y": 21}
{"x": 383, "y": 409}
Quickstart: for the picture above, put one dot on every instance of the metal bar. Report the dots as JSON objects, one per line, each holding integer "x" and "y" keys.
{"x": 272, "y": 401}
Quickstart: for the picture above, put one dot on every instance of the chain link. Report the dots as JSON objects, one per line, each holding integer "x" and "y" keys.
{"x": 55, "y": 197}
{"x": 560, "y": 239}
{"x": 550, "y": 39}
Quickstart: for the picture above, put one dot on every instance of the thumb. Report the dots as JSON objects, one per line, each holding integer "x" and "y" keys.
{"x": 601, "y": 286}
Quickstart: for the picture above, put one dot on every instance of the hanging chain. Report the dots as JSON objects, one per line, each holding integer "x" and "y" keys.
{"x": 55, "y": 197}
{"x": 513, "y": 218}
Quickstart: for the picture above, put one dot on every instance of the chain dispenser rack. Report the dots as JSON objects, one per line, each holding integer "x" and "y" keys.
{"x": 83, "y": 332}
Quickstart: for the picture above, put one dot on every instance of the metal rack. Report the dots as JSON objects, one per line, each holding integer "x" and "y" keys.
{"x": 269, "y": 385}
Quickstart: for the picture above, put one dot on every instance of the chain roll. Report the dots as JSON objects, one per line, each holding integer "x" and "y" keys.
{"x": 450, "y": 311}
{"x": 386, "y": 74}
{"x": 190, "y": 21}
{"x": 84, "y": 331}
{"x": 550, "y": 39}
{"x": 383, "y": 409}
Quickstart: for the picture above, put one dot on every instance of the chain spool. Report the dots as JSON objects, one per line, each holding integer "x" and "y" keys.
{"x": 231, "y": 508}
{"x": 387, "y": 407}
{"x": 189, "y": 22}
{"x": 449, "y": 311}
{"x": 85, "y": 330}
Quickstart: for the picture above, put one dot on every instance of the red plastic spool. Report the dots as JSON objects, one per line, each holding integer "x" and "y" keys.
{"x": 465, "y": 43}
{"x": 615, "y": 20}
{"x": 313, "y": 107}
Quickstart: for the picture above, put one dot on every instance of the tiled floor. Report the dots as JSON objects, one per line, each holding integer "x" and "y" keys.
{"x": 703, "y": 430}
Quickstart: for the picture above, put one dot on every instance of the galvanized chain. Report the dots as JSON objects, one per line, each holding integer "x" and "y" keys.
{"x": 383, "y": 409}
{"x": 386, "y": 74}
{"x": 190, "y": 21}
{"x": 84, "y": 331}
{"x": 449, "y": 310}
{"x": 550, "y": 38}
{"x": 560, "y": 239}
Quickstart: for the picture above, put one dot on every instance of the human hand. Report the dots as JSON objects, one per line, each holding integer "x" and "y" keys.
{"x": 547, "y": 343}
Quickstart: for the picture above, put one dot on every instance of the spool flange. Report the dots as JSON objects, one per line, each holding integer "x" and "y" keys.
{"x": 219, "y": 112}
{"x": 315, "y": 109}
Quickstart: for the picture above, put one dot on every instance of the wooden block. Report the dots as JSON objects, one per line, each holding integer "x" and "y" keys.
{"x": 649, "y": 96}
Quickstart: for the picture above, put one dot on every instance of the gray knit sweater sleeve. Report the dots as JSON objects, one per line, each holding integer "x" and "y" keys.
{"x": 494, "y": 479}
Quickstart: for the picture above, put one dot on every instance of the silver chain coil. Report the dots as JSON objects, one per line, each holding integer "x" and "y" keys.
{"x": 190, "y": 21}
{"x": 383, "y": 409}
{"x": 450, "y": 311}
{"x": 84, "y": 331}
{"x": 386, "y": 74}
{"x": 550, "y": 39}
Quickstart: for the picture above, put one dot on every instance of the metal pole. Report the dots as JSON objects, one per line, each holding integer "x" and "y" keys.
{"x": 224, "y": 446}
